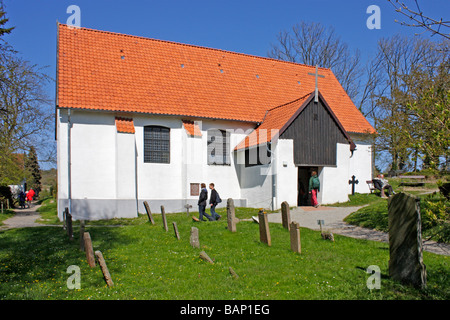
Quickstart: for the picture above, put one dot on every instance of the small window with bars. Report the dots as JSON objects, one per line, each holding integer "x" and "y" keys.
{"x": 156, "y": 144}
{"x": 218, "y": 147}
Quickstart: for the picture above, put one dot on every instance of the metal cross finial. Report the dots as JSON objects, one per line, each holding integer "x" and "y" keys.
{"x": 316, "y": 74}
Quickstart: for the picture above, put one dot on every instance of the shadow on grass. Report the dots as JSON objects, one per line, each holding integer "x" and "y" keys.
{"x": 30, "y": 256}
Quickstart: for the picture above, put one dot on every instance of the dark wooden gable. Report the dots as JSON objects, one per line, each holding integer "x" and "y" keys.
{"x": 315, "y": 131}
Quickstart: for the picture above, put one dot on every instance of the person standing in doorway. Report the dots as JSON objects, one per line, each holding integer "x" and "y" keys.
{"x": 314, "y": 188}
{"x": 202, "y": 204}
{"x": 214, "y": 199}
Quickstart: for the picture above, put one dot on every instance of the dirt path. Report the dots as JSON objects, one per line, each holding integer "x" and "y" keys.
{"x": 23, "y": 218}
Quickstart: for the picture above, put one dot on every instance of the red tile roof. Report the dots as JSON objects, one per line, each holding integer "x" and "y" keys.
{"x": 274, "y": 120}
{"x": 124, "y": 125}
{"x": 115, "y": 72}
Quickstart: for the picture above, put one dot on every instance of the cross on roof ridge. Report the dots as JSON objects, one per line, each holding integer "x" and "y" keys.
{"x": 316, "y": 74}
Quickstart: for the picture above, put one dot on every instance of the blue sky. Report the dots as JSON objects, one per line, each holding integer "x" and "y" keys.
{"x": 246, "y": 26}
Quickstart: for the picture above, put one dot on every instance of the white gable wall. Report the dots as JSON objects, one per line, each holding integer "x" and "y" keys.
{"x": 286, "y": 173}
{"x": 334, "y": 180}
{"x": 361, "y": 163}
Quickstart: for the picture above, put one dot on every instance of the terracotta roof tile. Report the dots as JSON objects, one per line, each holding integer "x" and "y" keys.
{"x": 114, "y": 72}
{"x": 124, "y": 125}
{"x": 192, "y": 128}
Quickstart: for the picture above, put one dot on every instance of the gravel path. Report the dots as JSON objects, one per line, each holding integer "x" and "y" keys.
{"x": 333, "y": 217}
{"x": 23, "y": 218}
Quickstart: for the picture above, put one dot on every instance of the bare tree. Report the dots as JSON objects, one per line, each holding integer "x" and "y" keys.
{"x": 25, "y": 116}
{"x": 419, "y": 20}
{"x": 315, "y": 44}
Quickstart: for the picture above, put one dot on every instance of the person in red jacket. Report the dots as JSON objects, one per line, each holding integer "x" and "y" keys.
{"x": 29, "y": 197}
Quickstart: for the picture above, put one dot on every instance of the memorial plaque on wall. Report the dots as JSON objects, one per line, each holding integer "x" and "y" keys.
{"x": 195, "y": 189}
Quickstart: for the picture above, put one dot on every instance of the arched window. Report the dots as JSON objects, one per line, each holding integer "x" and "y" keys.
{"x": 156, "y": 144}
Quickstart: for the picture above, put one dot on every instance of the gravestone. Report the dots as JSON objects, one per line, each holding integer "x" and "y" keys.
{"x": 163, "y": 214}
{"x": 285, "y": 215}
{"x": 405, "y": 240}
{"x": 205, "y": 257}
{"x": 294, "y": 231}
{"x": 89, "y": 250}
{"x": 187, "y": 206}
{"x": 194, "y": 238}
{"x": 175, "y": 229}
{"x": 264, "y": 232}
{"x": 149, "y": 213}
{"x": 231, "y": 215}
{"x": 233, "y": 273}
{"x": 69, "y": 225}
{"x": 104, "y": 268}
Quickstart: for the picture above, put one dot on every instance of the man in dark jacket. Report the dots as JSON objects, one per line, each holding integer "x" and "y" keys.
{"x": 213, "y": 201}
{"x": 202, "y": 204}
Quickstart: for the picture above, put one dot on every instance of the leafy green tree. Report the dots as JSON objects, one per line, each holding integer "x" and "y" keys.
{"x": 429, "y": 110}
{"x": 33, "y": 170}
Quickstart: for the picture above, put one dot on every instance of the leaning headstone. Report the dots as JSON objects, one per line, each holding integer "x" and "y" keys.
{"x": 285, "y": 215}
{"x": 264, "y": 232}
{"x": 175, "y": 229}
{"x": 149, "y": 213}
{"x": 194, "y": 238}
{"x": 231, "y": 219}
{"x": 233, "y": 273}
{"x": 405, "y": 241}
{"x": 105, "y": 271}
{"x": 89, "y": 250}
{"x": 205, "y": 257}
{"x": 294, "y": 231}
{"x": 163, "y": 214}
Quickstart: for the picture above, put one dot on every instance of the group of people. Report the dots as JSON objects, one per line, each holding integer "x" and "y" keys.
{"x": 214, "y": 200}
{"x": 26, "y": 198}
{"x": 314, "y": 187}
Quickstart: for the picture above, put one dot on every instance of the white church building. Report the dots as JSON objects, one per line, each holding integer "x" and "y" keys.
{"x": 140, "y": 119}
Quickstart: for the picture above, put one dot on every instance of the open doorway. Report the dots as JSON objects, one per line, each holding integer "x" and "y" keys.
{"x": 303, "y": 196}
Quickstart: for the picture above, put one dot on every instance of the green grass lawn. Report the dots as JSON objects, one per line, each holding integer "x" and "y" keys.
{"x": 146, "y": 262}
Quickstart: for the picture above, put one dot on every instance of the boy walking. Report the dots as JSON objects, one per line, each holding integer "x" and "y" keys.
{"x": 214, "y": 199}
{"x": 202, "y": 204}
